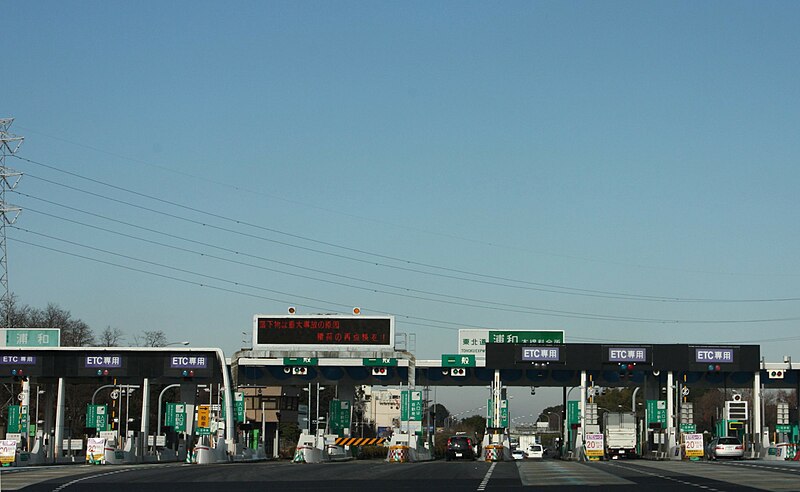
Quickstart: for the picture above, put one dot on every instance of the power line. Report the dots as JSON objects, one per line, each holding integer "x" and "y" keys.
{"x": 455, "y": 326}
{"x": 551, "y": 313}
{"x": 239, "y": 188}
{"x": 453, "y": 299}
{"x": 505, "y": 307}
{"x": 492, "y": 279}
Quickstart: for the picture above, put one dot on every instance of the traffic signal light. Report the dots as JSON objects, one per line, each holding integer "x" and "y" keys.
{"x": 380, "y": 371}
{"x": 714, "y": 368}
{"x": 18, "y": 374}
{"x": 776, "y": 374}
{"x": 458, "y": 371}
{"x": 187, "y": 374}
{"x": 625, "y": 369}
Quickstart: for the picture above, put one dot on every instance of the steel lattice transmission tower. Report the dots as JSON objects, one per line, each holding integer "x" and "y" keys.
{"x": 9, "y": 144}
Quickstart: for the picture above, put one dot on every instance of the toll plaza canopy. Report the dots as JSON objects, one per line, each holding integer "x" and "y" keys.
{"x": 124, "y": 364}
{"x": 556, "y": 365}
{"x": 621, "y": 364}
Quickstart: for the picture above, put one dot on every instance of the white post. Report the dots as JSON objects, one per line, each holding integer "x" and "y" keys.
{"x": 127, "y": 407}
{"x": 670, "y": 413}
{"x": 229, "y": 405}
{"x": 36, "y": 421}
{"x": 145, "y": 424}
{"x": 582, "y": 428}
{"x": 60, "y": 410}
{"x": 263, "y": 424}
{"x": 277, "y": 442}
{"x": 756, "y": 411}
{"x": 497, "y": 396}
{"x": 26, "y": 403}
{"x": 316, "y": 425}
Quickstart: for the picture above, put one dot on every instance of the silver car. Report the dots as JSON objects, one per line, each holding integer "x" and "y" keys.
{"x": 725, "y": 447}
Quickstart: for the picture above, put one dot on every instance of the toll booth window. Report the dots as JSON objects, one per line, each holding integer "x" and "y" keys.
{"x": 270, "y": 402}
{"x": 289, "y": 403}
{"x": 253, "y": 402}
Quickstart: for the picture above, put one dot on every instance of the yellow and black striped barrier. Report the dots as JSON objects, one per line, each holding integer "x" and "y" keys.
{"x": 359, "y": 441}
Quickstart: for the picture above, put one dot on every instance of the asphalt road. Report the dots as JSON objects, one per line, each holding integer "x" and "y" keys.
{"x": 477, "y": 476}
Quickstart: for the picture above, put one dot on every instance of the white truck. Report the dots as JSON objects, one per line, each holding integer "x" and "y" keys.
{"x": 619, "y": 433}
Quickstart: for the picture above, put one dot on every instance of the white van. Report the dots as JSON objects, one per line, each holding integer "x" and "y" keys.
{"x": 535, "y": 451}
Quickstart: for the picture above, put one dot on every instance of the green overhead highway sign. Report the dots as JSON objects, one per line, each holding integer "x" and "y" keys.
{"x": 300, "y": 361}
{"x": 458, "y": 360}
{"x": 27, "y": 337}
{"x": 380, "y": 362}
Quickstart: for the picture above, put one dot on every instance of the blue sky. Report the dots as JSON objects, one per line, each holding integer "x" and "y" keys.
{"x": 634, "y": 148}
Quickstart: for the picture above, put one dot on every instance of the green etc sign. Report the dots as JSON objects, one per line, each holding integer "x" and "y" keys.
{"x": 97, "y": 417}
{"x": 339, "y": 414}
{"x": 238, "y": 407}
{"x": 17, "y": 418}
{"x": 657, "y": 413}
{"x": 411, "y": 406}
{"x": 176, "y": 416}
{"x": 503, "y": 413}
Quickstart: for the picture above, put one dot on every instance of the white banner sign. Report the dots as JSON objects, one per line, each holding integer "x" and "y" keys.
{"x": 8, "y": 451}
{"x": 95, "y": 449}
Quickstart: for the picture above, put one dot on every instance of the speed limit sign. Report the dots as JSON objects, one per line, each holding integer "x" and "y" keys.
{"x": 694, "y": 444}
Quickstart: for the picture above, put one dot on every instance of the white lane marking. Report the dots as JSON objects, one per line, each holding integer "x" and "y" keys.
{"x": 63, "y": 486}
{"x": 486, "y": 478}
{"x": 665, "y": 477}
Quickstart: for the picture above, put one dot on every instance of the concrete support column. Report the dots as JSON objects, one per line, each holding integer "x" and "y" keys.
{"x": 497, "y": 396}
{"x": 145, "y": 427}
{"x": 60, "y": 410}
{"x": 670, "y": 412}
{"x": 582, "y": 429}
{"x": 227, "y": 383}
{"x": 756, "y": 411}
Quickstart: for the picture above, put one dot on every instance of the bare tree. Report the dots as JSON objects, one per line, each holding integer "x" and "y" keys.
{"x": 17, "y": 315}
{"x": 153, "y": 338}
{"x": 54, "y": 317}
{"x": 111, "y": 337}
{"x": 77, "y": 334}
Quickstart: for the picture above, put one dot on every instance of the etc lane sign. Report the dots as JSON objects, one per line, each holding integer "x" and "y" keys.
{"x": 714, "y": 355}
{"x": 627, "y": 354}
{"x": 541, "y": 354}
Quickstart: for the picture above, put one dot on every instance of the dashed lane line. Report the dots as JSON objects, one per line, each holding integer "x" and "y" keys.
{"x": 486, "y": 477}
{"x": 664, "y": 477}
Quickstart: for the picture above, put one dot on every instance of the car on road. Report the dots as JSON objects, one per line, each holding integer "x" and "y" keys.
{"x": 535, "y": 451}
{"x": 518, "y": 454}
{"x": 460, "y": 447}
{"x": 725, "y": 447}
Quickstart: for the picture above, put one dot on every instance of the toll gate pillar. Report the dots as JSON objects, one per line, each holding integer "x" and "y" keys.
{"x": 757, "y": 431}
{"x": 60, "y": 410}
{"x": 145, "y": 428}
{"x": 49, "y": 419}
{"x": 671, "y": 442}
{"x": 582, "y": 429}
